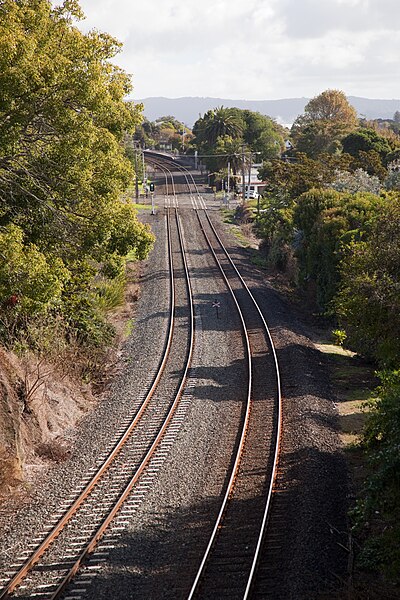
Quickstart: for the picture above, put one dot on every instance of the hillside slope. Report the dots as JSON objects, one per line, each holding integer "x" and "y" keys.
{"x": 285, "y": 111}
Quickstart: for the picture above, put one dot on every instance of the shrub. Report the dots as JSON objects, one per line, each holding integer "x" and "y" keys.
{"x": 382, "y": 496}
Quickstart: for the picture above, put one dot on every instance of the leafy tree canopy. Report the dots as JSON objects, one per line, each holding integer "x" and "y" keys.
{"x": 62, "y": 163}
{"x": 251, "y": 132}
{"x": 366, "y": 139}
{"x": 327, "y": 119}
{"x": 287, "y": 180}
{"x": 62, "y": 117}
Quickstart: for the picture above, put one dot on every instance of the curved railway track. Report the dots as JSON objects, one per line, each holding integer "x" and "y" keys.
{"x": 167, "y": 167}
{"x": 229, "y": 562}
{"x": 58, "y": 557}
{"x": 228, "y": 565}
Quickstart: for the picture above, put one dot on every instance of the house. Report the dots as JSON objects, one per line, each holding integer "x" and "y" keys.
{"x": 254, "y": 187}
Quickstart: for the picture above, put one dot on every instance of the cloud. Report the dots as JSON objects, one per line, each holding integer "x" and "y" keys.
{"x": 257, "y": 49}
{"x": 313, "y": 18}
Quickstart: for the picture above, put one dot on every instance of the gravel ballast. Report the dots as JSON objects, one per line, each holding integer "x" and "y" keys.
{"x": 157, "y": 553}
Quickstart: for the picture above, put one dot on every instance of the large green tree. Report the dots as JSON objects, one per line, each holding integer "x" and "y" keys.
{"x": 62, "y": 162}
{"x": 220, "y": 122}
{"x": 62, "y": 118}
{"x": 327, "y": 119}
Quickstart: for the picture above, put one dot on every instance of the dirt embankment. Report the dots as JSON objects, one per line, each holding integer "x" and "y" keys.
{"x": 41, "y": 399}
{"x": 37, "y": 404}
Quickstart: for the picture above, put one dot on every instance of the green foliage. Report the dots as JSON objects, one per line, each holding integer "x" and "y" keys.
{"x": 369, "y": 300}
{"x": 366, "y": 139}
{"x": 30, "y": 283}
{"x": 329, "y": 222}
{"x": 63, "y": 168}
{"x": 81, "y": 314}
{"x": 381, "y": 440}
{"x": 230, "y": 132}
{"x": 339, "y": 336}
{"x": 216, "y": 123}
{"x": 109, "y": 293}
{"x": 288, "y": 180}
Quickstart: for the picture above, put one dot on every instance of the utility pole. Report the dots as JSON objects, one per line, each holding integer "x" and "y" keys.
{"x": 243, "y": 177}
{"x": 136, "y": 172}
{"x": 183, "y": 137}
{"x": 229, "y": 181}
{"x": 250, "y": 165}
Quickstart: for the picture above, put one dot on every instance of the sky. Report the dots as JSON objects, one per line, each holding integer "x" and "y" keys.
{"x": 254, "y": 49}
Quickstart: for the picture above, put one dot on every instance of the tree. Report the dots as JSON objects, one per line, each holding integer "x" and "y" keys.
{"x": 62, "y": 121}
{"x": 263, "y": 135}
{"x": 365, "y": 139}
{"x": 359, "y": 181}
{"x": 287, "y": 180}
{"x": 218, "y": 123}
{"x": 327, "y": 119}
{"x": 369, "y": 299}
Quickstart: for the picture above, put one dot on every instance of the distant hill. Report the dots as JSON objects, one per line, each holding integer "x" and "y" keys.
{"x": 284, "y": 111}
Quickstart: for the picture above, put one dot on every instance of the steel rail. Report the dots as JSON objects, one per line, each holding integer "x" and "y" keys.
{"x": 267, "y": 508}
{"x": 166, "y": 172}
{"x": 100, "y": 531}
{"x": 161, "y": 160}
{"x": 245, "y": 424}
{"x": 279, "y": 415}
{"x": 56, "y": 530}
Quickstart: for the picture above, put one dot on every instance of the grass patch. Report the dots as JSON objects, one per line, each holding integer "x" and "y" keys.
{"x": 240, "y": 237}
{"x": 228, "y": 215}
{"x": 353, "y": 382}
{"x": 129, "y": 325}
{"x": 110, "y": 293}
{"x": 140, "y": 206}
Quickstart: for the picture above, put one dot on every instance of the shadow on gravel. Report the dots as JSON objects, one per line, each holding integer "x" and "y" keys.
{"x": 302, "y": 556}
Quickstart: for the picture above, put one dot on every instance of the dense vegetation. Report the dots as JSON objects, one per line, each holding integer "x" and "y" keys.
{"x": 233, "y": 135}
{"x": 164, "y": 133}
{"x": 330, "y": 218}
{"x": 64, "y": 232}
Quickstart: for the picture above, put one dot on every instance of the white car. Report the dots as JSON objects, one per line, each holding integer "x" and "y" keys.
{"x": 252, "y": 195}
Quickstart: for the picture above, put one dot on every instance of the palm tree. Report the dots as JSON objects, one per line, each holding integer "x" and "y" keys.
{"x": 221, "y": 122}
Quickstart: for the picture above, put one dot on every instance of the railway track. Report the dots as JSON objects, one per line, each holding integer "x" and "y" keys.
{"x": 48, "y": 570}
{"x": 228, "y": 566}
{"x": 187, "y": 186}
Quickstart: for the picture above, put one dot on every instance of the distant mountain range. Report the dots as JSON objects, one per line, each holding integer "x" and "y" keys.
{"x": 285, "y": 111}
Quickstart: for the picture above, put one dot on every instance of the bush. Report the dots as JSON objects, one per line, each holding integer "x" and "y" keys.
{"x": 381, "y": 501}
{"x": 368, "y": 302}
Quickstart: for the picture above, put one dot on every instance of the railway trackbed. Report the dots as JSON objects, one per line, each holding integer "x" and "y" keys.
{"x": 127, "y": 468}
{"x": 229, "y": 562}
{"x": 225, "y": 519}
{"x": 228, "y": 565}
